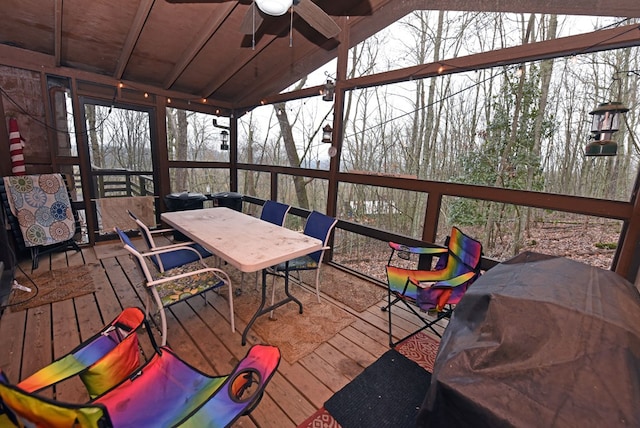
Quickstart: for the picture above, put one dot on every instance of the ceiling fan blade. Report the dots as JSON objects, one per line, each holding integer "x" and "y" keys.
{"x": 248, "y": 25}
{"x": 317, "y": 18}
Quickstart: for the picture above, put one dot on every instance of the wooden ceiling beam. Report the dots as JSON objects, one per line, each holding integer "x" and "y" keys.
{"x": 204, "y": 34}
{"x": 241, "y": 61}
{"x": 144, "y": 8}
{"x": 39, "y": 62}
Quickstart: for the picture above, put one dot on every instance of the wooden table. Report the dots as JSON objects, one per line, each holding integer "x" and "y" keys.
{"x": 246, "y": 243}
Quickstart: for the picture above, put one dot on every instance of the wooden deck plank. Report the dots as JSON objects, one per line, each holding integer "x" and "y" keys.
{"x": 325, "y": 372}
{"x": 125, "y": 282}
{"x": 364, "y": 341}
{"x": 65, "y": 339}
{"x": 306, "y": 382}
{"x": 339, "y": 361}
{"x": 207, "y": 343}
{"x": 268, "y": 414}
{"x": 359, "y": 355}
{"x": 296, "y": 407}
{"x": 106, "y": 294}
{"x": 37, "y": 348}
{"x": 12, "y": 330}
{"x": 375, "y": 333}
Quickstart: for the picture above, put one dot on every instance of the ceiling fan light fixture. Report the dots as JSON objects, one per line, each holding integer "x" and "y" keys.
{"x": 274, "y": 7}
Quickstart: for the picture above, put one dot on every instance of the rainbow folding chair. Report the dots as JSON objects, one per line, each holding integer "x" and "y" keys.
{"x": 102, "y": 361}
{"x": 164, "y": 392}
{"x": 435, "y": 292}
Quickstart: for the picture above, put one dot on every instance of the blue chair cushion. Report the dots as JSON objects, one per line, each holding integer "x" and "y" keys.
{"x": 300, "y": 263}
{"x": 203, "y": 251}
{"x": 181, "y": 257}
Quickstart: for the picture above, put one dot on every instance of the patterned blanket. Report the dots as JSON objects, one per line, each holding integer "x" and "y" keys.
{"x": 41, "y": 205}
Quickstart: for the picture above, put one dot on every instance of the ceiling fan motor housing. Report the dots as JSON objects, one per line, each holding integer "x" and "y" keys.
{"x": 274, "y": 7}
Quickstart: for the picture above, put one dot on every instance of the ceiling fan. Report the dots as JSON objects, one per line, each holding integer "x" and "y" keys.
{"x": 317, "y": 18}
{"x": 310, "y": 12}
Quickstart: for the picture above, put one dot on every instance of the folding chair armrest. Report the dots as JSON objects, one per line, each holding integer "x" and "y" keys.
{"x": 176, "y": 246}
{"x": 417, "y": 250}
{"x": 160, "y": 231}
{"x": 169, "y": 249}
{"x": 447, "y": 283}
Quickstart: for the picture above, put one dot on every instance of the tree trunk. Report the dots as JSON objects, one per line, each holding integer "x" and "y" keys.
{"x": 546, "y": 69}
{"x": 96, "y": 156}
{"x": 292, "y": 153}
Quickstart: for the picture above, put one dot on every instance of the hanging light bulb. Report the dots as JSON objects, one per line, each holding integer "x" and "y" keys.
{"x": 274, "y": 7}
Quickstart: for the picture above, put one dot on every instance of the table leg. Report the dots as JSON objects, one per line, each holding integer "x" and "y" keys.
{"x": 262, "y": 310}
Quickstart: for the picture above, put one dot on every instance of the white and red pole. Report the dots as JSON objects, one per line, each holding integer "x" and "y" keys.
{"x": 16, "y": 144}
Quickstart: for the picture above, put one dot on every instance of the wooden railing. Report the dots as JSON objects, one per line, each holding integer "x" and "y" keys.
{"x": 619, "y": 210}
{"x": 110, "y": 183}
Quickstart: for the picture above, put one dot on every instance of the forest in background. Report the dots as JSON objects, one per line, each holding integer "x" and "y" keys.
{"x": 521, "y": 127}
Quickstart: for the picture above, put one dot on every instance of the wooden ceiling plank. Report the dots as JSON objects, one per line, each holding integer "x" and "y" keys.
{"x": 204, "y": 34}
{"x": 241, "y": 62}
{"x": 144, "y": 8}
{"x": 274, "y": 82}
{"x": 57, "y": 33}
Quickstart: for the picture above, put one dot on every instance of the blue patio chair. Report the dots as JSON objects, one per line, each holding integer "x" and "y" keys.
{"x": 165, "y": 288}
{"x": 318, "y": 226}
{"x": 275, "y": 213}
{"x": 170, "y": 260}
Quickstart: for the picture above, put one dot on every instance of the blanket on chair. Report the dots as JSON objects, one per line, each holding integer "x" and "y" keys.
{"x": 42, "y": 206}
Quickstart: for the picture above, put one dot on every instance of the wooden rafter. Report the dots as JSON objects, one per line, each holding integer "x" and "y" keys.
{"x": 202, "y": 37}
{"x": 144, "y": 8}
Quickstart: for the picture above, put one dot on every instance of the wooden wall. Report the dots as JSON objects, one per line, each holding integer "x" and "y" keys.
{"x": 23, "y": 99}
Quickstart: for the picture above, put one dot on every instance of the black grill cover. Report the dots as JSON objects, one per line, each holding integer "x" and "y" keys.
{"x": 539, "y": 341}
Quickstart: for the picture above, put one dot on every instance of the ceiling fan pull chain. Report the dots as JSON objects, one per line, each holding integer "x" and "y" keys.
{"x": 291, "y": 29}
{"x": 253, "y": 19}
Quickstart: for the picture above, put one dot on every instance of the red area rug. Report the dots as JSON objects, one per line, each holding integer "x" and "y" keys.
{"x": 420, "y": 348}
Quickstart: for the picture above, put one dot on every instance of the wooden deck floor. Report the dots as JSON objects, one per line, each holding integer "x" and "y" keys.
{"x": 199, "y": 332}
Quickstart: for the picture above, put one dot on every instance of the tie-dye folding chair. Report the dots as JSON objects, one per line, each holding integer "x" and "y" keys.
{"x": 434, "y": 292}
{"x": 102, "y": 361}
{"x": 164, "y": 392}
